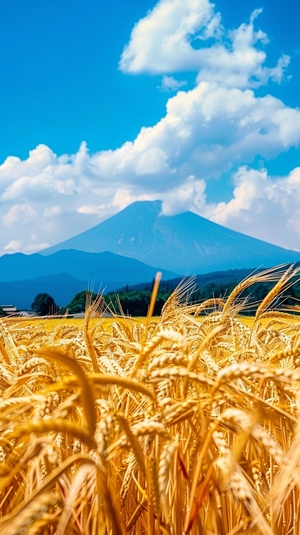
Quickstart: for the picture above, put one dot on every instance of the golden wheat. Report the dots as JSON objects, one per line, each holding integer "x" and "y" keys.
{"x": 187, "y": 424}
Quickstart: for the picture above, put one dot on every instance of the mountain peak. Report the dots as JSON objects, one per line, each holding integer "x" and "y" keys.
{"x": 154, "y": 206}
{"x": 181, "y": 243}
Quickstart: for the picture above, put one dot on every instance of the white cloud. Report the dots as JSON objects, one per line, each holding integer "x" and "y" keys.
{"x": 19, "y": 214}
{"x": 13, "y": 246}
{"x": 262, "y": 206}
{"x": 36, "y": 247}
{"x": 40, "y": 174}
{"x": 90, "y": 209}
{"x": 190, "y": 196}
{"x": 121, "y": 198}
{"x": 207, "y": 132}
{"x": 39, "y": 159}
{"x": 159, "y": 42}
{"x": 172, "y": 38}
{"x": 170, "y": 84}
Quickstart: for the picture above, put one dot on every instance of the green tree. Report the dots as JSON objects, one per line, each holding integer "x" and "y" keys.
{"x": 134, "y": 302}
{"x": 44, "y": 304}
{"x": 78, "y": 303}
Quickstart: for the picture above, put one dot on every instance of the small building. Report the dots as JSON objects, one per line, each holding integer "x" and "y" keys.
{"x": 10, "y": 310}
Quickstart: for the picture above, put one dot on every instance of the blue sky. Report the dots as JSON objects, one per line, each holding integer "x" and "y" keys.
{"x": 191, "y": 102}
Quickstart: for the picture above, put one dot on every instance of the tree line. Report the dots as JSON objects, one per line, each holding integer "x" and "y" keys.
{"x": 134, "y": 301}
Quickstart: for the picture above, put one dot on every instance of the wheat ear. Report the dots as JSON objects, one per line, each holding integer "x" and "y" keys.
{"x": 87, "y": 391}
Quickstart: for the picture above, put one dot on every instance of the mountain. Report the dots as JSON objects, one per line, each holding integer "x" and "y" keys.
{"x": 21, "y": 293}
{"x": 184, "y": 243}
{"x": 67, "y": 272}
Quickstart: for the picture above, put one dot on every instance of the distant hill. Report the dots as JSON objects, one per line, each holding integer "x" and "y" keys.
{"x": 67, "y": 272}
{"x": 184, "y": 243}
{"x": 22, "y": 292}
{"x": 230, "y": 277}
{"x": 128, "y": 249}
{"x": 134, "y": 299}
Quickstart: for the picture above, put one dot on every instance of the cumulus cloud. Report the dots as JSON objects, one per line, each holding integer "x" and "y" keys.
{"x": 40, "y": 174}
{"x": 190, "y": 196}
{"x": 121, "y": 198}
{"x": 214, "y": 130}
{"x": 159, "y": 42}
{"x": 262, "y": 206}
{"x": 172, "y": 38}
{"x": 19, "y": 214}
{"x": 205, "y": 132}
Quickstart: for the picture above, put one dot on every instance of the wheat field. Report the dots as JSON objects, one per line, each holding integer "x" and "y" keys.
{"x": 189, "y": 424}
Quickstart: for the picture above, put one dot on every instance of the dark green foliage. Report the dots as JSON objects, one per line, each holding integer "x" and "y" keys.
{"x": 135, "y": 300}
{"x": 44, "y": 304}
{"x": 2, "y": 313}
{"x": 78, "y": 303}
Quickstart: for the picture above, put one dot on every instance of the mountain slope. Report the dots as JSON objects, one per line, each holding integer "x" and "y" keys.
{"x": 107, "y": 267}
{"x": 182, "y": 243}
{"x": 65, "y": 273}
{"x": 22, "y": 292}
